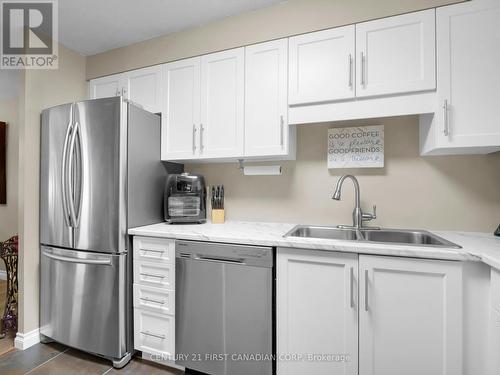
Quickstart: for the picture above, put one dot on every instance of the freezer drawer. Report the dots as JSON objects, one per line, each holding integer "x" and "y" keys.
{"x": 83, "y": 300}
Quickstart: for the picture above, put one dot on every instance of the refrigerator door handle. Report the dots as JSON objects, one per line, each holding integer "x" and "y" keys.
{"x": 80, "y": 176}
{"x": 64, "y": 170}
{"x": 102, "y": 262}
{"x": 72, "y": 209}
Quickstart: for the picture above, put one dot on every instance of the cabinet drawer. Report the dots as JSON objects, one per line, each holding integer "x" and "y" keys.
{"x": 154, "y": 333}
{"x": 160, "y": 275}
{"x": 154, "y": 299}
{"x": 154, "y": 249}
{"x": 495, "y": 289}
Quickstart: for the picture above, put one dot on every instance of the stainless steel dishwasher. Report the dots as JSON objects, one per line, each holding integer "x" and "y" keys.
{"x": 224, "y": 308}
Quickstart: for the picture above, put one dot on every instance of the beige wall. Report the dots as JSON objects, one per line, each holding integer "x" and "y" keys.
{"x": 443, "y": 192}
{"x": 281, "y": 20}
{"x": 41, "y": 89}
{"x": 8, "y": 212}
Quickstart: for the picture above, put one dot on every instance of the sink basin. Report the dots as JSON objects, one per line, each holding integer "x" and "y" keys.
{"x": 331, "y": 233}
{"x": 411, "y": 237}
{"x": 393, "y": 236}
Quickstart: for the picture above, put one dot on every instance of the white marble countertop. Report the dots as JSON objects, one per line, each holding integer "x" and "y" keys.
{"x": 475, "y": 246}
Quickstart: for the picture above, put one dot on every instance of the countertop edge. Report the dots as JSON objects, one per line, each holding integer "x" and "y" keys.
{"x": 487, "y": 249}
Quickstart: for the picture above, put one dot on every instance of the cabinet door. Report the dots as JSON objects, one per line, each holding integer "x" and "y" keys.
{"x": 410, "y": 316}
{"x": 317, "y": 312}
{"x": 494, "y": 343}
{"x": 106, "y": 87}
{"x": 222, "y": 103}
{"x": 468, "y": 40}
{"x": 144, "y": 87}
{"x": 321, "y": 66}
{"x": 266, "y": 105}
{"x": 396, "y": 54}
{"x": 181, "y": 116}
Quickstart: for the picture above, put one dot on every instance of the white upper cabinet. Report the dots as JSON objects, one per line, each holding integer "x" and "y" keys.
{"x": 410, "y": 319}
{"x": 322, "y": 66}
{"x": 144, "y": 87}
{"x": 141, "y": 86}
{"x": 317, "y": 311}
{"x": 266, "y": 104}
{"x": 467, "y": 119}
{"x": 181, "y": 114}
{"x": 222, "y": 104}
{"x": 106, "y": 87}
{"x": 396, "y": 54}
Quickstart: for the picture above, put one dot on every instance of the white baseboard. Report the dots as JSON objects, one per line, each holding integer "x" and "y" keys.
{"x": 25, "y": 340}
{"x": 3, "y": 275}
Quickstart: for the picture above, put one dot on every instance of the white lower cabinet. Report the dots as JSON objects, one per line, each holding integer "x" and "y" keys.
{"x": 410, "y": 314}
{"x": 154, "y": 298}
{"x": 317, "y": 313}
{"x": 410, "y": 319}
{"x": 494, "y": 343}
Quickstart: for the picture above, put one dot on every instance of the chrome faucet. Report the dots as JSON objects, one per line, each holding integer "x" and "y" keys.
{"x": 358, "y": 216}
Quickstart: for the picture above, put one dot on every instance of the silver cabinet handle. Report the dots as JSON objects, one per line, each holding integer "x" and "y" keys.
{"x": 124, "y": 91}
{"x": 118, "y": 92}
{"x": 161, "y": 302}
{"x": 194, "y": 139}
{"x": 147, "y": 333}
{"x": 154, "y": 251}
{"x": 366, "y": 290}
{"x": 282, "y": 130}
{"x": 64, "y": 171}
{"x": 446, "y": 129}
{"x": 363, "y": 80}
{"x": 102, "y": 262}
{"x": 152, "y": 275}
{"x": 350, "y": 70}
{"x": 351, "y": 286}
{"x": 202, "y": 129}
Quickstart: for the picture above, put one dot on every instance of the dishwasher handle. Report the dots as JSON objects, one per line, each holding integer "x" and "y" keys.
{"x": 219, "y": 259}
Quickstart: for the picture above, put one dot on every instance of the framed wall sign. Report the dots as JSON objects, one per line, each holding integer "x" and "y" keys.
{"x": 358, "y": 147}
{"x": 3, "y": 164}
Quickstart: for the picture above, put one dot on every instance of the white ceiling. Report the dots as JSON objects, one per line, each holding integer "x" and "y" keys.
{"x": 94, "y": 26}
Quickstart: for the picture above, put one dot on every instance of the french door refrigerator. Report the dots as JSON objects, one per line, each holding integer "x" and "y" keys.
{"x": 100, "y": 174}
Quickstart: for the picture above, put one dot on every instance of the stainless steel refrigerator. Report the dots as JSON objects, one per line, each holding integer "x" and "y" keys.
{"x": 100, "y": 174}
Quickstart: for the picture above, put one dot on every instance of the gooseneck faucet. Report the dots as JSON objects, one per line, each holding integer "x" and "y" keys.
{"x": 358, "y": 217}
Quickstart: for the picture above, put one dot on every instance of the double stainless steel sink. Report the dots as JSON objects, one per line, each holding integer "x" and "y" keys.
{"x": 392, "y": 236}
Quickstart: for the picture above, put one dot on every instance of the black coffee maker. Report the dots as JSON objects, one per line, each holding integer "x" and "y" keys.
{"x": 185, "y": 199}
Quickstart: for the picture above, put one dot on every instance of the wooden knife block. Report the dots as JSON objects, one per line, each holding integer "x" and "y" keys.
{"x": 218, "y": 216}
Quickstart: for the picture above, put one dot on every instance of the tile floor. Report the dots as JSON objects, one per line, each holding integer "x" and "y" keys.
{"x": 56, "y": 359}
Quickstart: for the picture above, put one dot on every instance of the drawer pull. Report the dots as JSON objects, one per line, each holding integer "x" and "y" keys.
{"x": 161, "y": 302}
{"x": 153, "y": 251}
{"x": 147, "y": 333}
{"x": 152, "y": 275}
